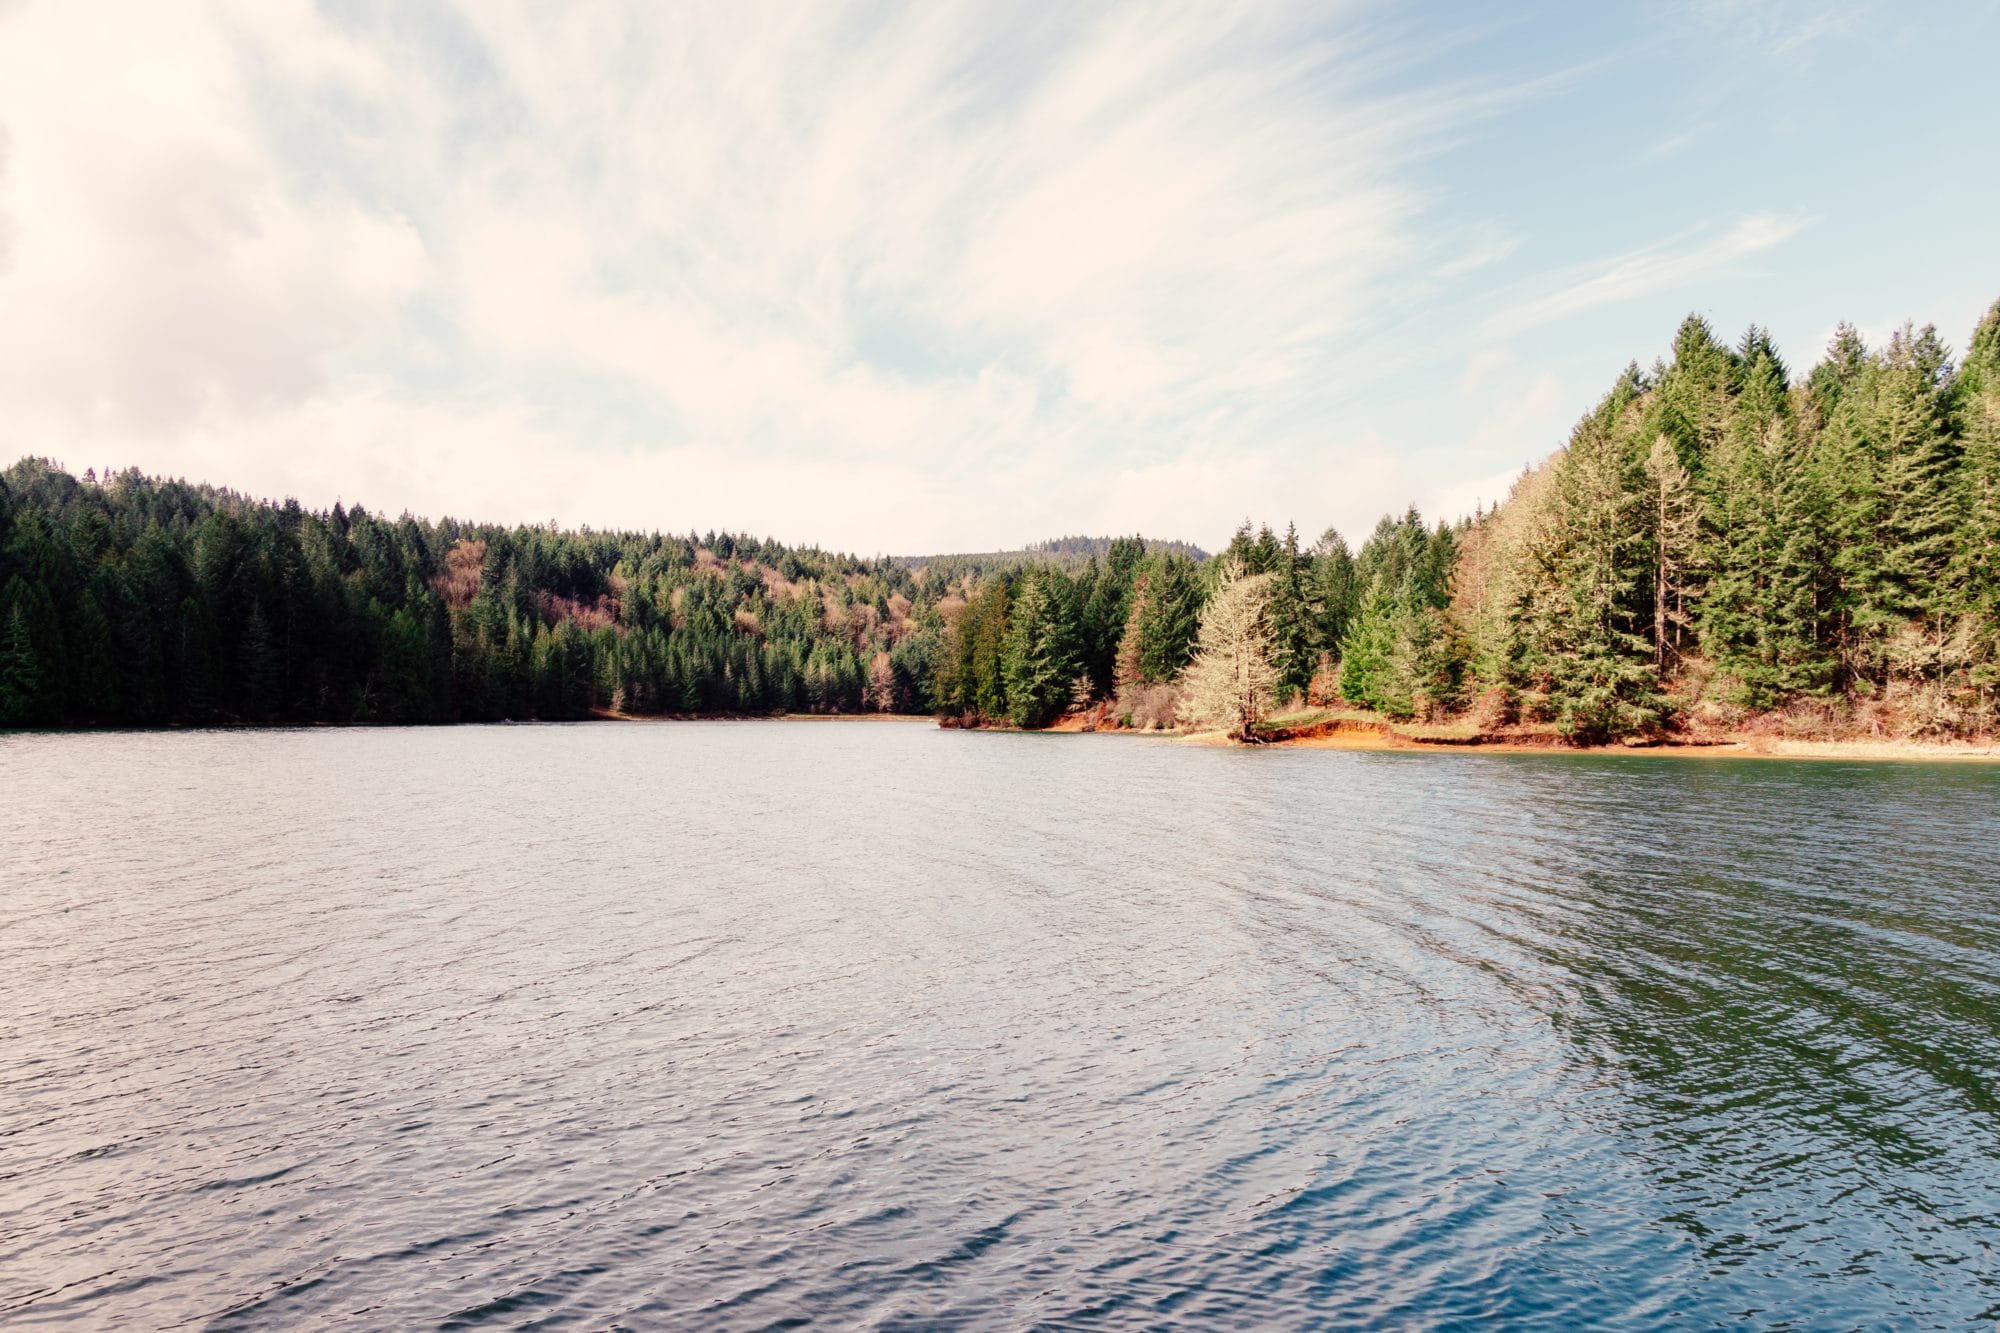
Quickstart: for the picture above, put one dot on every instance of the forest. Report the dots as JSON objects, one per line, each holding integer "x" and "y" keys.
{"x": 1720, "y": 544}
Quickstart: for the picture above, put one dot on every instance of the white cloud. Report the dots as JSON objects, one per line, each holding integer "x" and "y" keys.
{"x": 1463, "y": 499}
{"x": 157, "y": 268}
{"x": 1643, "y": 272}
{"x": 956, "y": 277}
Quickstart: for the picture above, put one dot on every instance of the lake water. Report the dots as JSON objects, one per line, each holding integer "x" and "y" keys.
{"x": 730, "y": 1025}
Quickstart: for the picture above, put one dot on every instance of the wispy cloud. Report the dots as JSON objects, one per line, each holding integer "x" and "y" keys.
{"x": 883, "y": 253}
{"x": 918, "y": 277}
{"x": 1778, "y": 26}
{"x": 1643, "y": 272}
{"x": 1485, "y": 252}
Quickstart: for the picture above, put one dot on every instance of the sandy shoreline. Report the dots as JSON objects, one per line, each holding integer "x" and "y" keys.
{"x": 1749, "y": 747}
{"x": 1380, "y": 737}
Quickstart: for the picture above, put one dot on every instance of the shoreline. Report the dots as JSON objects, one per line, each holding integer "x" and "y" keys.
{"x": 1376, "y": 736}
{"x": 1757, "y": 747}
{"x": 606, "y": 715}
{"x": 1384, "y": 738}
{"x": 1354, "y": 734}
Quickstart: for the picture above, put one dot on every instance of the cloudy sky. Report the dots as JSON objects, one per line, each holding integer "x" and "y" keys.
{"x": 939, "y": 276}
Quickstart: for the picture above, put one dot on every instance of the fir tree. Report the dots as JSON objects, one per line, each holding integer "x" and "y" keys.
{"x": 1042, "y": 655}
{"x": 23, "y": 687}
{"x": 1973, "y": 579}
{"x": 1294, "y": 650}
{"x": 1675, "y": 517}
{"x": 1589, "y": 660}
{"x": 1333, "y": 596}
{"x": 1171, "y": 621}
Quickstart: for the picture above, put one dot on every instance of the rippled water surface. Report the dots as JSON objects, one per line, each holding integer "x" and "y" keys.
{"x": 728, "y": 1025}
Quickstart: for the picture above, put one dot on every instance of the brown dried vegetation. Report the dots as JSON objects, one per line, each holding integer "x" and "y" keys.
{"x": 459, "y": 583}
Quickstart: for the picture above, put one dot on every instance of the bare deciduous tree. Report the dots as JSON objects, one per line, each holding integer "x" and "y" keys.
{"x": 1231, "y": 678}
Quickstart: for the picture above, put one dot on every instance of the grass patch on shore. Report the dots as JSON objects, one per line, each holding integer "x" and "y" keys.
{"x": 1300, "y": 718}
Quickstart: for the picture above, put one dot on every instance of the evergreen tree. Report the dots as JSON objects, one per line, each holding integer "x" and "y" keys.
{"x": 1294, "y": 647}
{"x": 1129, "y": 669}
{"x": 258, "y": 691}
{"x": 1675, "y": 517}
{"x": 1400, "y": 654}
{"x": 24, "y": 687}
{"x": 1920, "y": 516}
{"x": 1333, "y": 596}
{"x": 1368, "y": 652}
{"x": 1172, "y": 619}
{"x": 1106, "y": 607}
{"x": 93, "y": 656}
{"x": 1043, "y": 657}
{"x": 1586, "y": 610}
{"x": 1973, "y": 580}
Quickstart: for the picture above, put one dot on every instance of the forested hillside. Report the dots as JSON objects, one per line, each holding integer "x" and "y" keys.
{"x": 1720, "y": 544}
{"x": 1721, "y": 539}
{"x": 127, "y": 600}
{"x": 134, "y": 601}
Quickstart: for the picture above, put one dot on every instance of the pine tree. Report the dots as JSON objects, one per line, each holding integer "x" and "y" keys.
{"x": 1588, "y": 656}
{"x": 1368, "y": 652}
{"x": 1695, "y": 392}
{"x": 1130, "y": 667}
{"x": 257, "y": 690}
{"x": 1920, "y": 514}
{"x": 1293, "y": 648}
{"x": 1107, "y": 611}
{"x": 1042, "y": 656}
{"x": 987, "y": 697}
{"x": 1333, "y": 596}
{"x": 23, "y": 689}
{"x": 94, "y": 661}
{"x": 1230, "y": 680}
{"x": 1973, "y": 580}
{"x": 1172, "y": 619}
{"x": 1676, "y": 526}
{"x": 1796, "y": 635}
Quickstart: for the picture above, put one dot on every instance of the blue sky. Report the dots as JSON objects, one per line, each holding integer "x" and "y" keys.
{"x": 919, "y": 278}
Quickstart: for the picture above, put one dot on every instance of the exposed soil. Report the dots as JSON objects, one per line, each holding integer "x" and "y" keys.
{"x": 1349, "y": 733}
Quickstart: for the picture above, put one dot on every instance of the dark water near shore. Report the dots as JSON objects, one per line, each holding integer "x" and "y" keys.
{"x": 725, "y": 1025}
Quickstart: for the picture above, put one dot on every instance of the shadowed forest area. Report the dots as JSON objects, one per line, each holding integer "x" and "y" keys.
{"x": 1721, "y": 543}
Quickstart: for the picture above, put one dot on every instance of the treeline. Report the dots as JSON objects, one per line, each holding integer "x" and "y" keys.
{"x": 126, "y": 600}
{"x": 1719, "y": 541}
{"x": 1100, "y": 548}
{"x": 1034, "y": 643}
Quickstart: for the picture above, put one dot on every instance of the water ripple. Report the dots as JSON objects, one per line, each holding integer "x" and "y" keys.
{"x": 748, "y": 1026}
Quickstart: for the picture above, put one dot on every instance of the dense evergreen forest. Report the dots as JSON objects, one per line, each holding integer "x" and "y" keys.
{"x": 126, "y": 600}
{"x": 1722, "y": 539}
{"x": 1720, "y": 543}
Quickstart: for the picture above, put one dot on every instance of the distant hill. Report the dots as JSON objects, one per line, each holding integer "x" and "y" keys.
{"x": 1099, "y": 546}
{"x": 1058, "y": 550}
